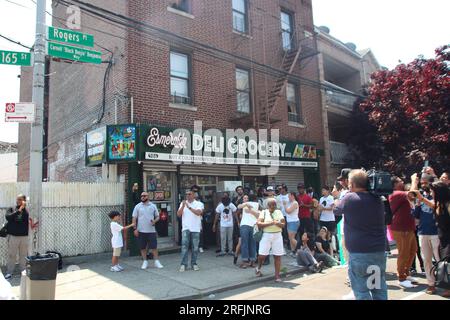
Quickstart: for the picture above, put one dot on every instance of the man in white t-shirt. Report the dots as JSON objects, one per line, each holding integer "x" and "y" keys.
{"x": 326, "y": 205}
{"x": 225, "y": 210}
{"x": 190, "y": 212}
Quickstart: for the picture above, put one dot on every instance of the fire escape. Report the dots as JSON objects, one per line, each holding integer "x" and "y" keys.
{"x": 301, "y": 45}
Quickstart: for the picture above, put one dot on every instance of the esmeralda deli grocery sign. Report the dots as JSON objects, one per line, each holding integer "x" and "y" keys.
{"x": 214, "y": 146}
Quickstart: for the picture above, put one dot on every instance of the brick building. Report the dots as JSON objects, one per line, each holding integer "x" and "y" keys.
{"x": 231, "y": 64}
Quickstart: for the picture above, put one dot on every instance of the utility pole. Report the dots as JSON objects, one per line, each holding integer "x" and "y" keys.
{"x": 37, "y": 128}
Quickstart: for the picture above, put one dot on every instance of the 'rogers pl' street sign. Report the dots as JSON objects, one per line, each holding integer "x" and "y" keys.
{"x": 20, "y": 112}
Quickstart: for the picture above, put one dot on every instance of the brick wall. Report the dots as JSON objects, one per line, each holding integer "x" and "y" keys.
{"x": 141, "y": 70}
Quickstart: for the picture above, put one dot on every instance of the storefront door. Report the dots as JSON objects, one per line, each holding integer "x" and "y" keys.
{"x": 161, "y": 188}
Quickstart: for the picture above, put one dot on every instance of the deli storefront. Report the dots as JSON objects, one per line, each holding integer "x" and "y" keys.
{"x": 166, "y": 162}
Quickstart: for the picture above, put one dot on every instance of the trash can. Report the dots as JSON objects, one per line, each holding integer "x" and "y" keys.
{"x": 41, "y": 271}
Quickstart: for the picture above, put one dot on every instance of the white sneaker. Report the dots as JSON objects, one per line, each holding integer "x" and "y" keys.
{"x": 195, "y": 267}
{"x": 406, "y": 284}
{"x": 115, "y": 269}
{"x": 350, "y": 296}
{"x": 120, "y": 267}
{"x": 8, "y": 276}
{"x": 182, "y": 268}
{"x": 158, "y": 264}
{"x": 412, "y": 280}
{"x": 200, "y": 250}
{"x": 144, "y": 265}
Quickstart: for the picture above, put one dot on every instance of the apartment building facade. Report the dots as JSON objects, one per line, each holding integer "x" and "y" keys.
{"x": 231, "y": 64}
{"x": 344, "y": 71}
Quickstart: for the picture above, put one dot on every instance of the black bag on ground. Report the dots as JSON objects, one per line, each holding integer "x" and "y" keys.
{"x": 441, "y": 272}
{"x": 42, "y": 267}
{"x": 60, "y": 262}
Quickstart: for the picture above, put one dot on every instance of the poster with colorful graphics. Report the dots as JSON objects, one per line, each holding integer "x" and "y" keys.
{"x": 122, "y": 143}
{"x": 303, "y": 151}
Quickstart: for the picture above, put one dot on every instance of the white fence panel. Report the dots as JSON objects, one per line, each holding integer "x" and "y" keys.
{"x": 74, "y": 215}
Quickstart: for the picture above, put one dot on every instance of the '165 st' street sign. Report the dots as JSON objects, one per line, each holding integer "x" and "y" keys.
{"x": 15, "y": 58}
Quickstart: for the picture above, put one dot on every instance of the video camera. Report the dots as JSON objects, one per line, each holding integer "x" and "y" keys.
{"x": 379, "y": 183}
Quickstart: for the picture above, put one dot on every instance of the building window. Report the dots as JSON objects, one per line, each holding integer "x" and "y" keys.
{"x": 182, "y": 5}
{"x": 179, "y": 78}
{"x": 287, "y": 30}
{"x": 240, "y": 15}
{"x": 243, "y": 90}
{"x": 293, "y": 103}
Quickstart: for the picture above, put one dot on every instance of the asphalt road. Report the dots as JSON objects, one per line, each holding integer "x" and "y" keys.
{"x": 329, "y": 285}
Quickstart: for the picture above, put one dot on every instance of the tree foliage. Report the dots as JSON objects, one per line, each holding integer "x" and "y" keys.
{"x": 406, "y": 116}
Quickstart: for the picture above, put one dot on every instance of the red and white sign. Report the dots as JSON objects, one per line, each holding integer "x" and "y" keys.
{"x": 20, "y": 112}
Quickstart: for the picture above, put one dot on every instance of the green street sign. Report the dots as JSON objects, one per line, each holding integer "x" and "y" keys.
{"x": 15, "y": 58}
{"x": 70, "y": 36}
{"x": 73, "y": 53}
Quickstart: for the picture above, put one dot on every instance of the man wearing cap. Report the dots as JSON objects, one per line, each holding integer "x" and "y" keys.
{"x": 305, "y": 204}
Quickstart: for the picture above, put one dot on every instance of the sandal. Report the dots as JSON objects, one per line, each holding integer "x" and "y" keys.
{"x": 258, "y": 272}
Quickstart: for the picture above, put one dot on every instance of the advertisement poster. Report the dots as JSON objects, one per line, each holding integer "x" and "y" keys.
{"x": 303, "y": 151}
{"x": 122, "y": 143}
{"x": 95, "y": 147}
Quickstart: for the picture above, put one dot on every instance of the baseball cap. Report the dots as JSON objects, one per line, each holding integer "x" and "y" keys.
{"x": 270, "y": 188}
{"x": 300, "y": 186}
{"x": 324, "y": 228}
{"x": 344, "y": 174}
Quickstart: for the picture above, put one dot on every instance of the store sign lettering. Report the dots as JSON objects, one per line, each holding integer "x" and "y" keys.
{"x": 155, "y": 138}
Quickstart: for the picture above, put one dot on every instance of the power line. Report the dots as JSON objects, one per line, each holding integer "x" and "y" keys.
{"x": 16, "y": 42}
{"x": 205, "y": 48}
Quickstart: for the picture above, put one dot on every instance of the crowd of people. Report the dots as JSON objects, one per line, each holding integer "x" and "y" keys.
{"x": 276, "y": 221}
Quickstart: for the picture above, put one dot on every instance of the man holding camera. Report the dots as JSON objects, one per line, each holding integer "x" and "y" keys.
{"x": 17, "y": 230}
{"x": 364, "y": 238}
{"x": 403, "y": 229}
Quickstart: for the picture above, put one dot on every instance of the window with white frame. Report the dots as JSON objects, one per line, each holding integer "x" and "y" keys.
{"x": 240, "y": 15}
{"x": 293, "y": 103}
{"x": 179, "y": 78}
{"x": 286, "y": 30}
{"x": 243, "y": 91}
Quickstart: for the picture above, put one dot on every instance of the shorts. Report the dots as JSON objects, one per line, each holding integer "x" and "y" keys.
{"x": 272, "y": 241}
{"x": 331, "y": 225}
{"x": 117, "y": 252}
{"x": 293, "y": 226}
{"x": 147, "y": 240}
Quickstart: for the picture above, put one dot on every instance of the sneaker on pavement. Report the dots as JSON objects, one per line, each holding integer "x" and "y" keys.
{"x": 195, "y": 267}
{"x": 406, "y": 284}
{"x": 8, "y": 276}
{"x": 350, "y": 296}
{"x": 158, "y": 264}
{"x": 220, "y": 254}
{"x": 231, "y": 253}
{"x": 120, "y": 267}
{"x": 200, "y": 250}
{"x": 182, "y": 268}
{"x": 412, "y": 280}
{"x": 115, "y": 269}
{"x": 144, "y": 265}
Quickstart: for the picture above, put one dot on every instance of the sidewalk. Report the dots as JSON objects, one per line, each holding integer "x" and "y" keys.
{"x": 92, "y": 279}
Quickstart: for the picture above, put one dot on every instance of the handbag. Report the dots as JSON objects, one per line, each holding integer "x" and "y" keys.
{"x": 257, "y": 233}
{"x": 4, "y": 230}
{"x": 441, "y": 272}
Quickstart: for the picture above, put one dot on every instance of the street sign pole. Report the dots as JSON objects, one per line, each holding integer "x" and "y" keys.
{"x": 37, "y": 128}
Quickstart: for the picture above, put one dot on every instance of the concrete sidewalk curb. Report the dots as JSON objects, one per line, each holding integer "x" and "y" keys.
{"x": 206, "y": 293}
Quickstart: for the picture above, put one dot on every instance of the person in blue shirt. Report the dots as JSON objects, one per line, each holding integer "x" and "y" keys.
{"x": 428, "y": 236}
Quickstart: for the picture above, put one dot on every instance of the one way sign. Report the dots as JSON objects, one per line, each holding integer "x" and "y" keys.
{"x": 20, "y": 112}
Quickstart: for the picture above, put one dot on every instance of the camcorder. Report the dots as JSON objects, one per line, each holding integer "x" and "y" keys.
{"x": 379, "y": 183}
